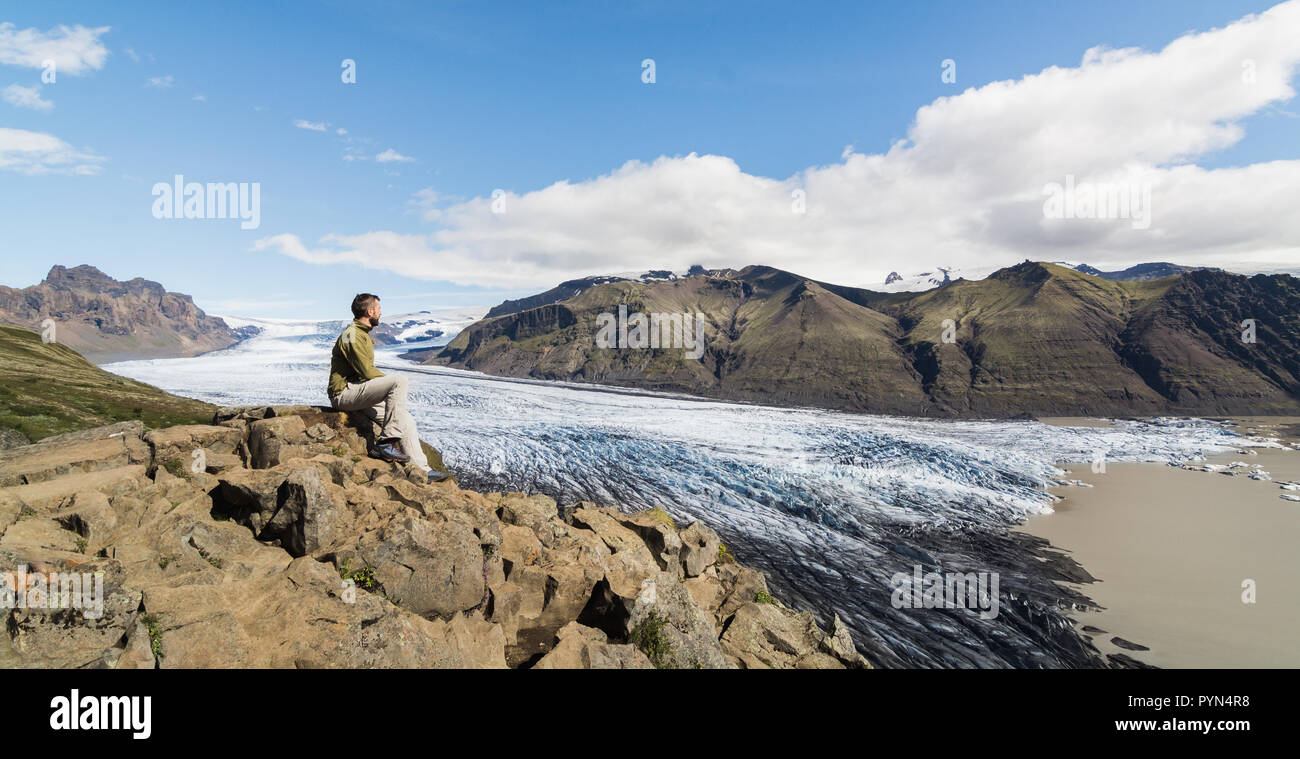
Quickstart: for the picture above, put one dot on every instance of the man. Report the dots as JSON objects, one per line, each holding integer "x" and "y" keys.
{"x": 356, "y": 385}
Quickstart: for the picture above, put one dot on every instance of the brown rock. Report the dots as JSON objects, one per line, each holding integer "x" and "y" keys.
{"x": 51, "y": 494}
{"x": 250, "y": 497}
{"x": 273, "y": 440}
{"x": 665, "y": 611}
{"x": 429, "y": 566}
{"x": 699, "y": 548}
{"x": 47, "y": 460}
{"x": 660, "y": 537}
{"x": 179, "y": 443}
{"x": 631, "y": 562}
{"x": 581, "y": 647}
{"x": 763, "y": 635}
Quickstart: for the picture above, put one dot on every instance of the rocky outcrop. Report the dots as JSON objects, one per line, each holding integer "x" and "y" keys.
{"x": 107, "y": 320}
{"x": 268, "y": 538}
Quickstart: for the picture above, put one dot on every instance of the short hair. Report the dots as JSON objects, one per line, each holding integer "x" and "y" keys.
{"x": 362, "y": 303}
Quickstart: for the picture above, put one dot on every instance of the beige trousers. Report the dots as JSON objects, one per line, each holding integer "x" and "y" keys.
{"x": 384, "y": 400}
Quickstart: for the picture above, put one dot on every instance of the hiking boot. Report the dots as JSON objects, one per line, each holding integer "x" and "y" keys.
{"x": 436, "y": 476}
{"x": 387, "y": 450}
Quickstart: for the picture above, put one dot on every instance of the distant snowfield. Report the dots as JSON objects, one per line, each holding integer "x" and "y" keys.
{"x": 928, "y": 280}
{"x": 830, "y": 504}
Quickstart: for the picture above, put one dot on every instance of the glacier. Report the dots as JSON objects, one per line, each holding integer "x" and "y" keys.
{"x": 828, "y": 504}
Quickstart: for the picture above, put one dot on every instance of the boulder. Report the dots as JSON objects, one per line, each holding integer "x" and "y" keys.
{"x": 741, "y": 585}
{"x": 431, "y": 566}
{"x": 273, "y": 440}
{"x": 699, "y": 548}
{"x": 179, "y": 443}
{"x": 581, "y": 647}
{"x": 250, "y": 496}
{"x": 657, "y": 534}
{"x": 90, "y": 516}
{"x": 307, "y": 519}
{"x": 707, "y": 592}
{"x": 537, "y": 599}
{"x": 768, "y": 635}
{"x": 665, "y": 619}
{"x": 42, "y": 533}
{"x": 631, "y": 562}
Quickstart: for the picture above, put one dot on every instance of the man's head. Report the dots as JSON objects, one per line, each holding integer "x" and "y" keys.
{"x": 366, "y": 308}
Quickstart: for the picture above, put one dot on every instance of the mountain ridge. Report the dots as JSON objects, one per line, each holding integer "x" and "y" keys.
{"x": 1035, "y": 338}
{"x": 108, "y": 320}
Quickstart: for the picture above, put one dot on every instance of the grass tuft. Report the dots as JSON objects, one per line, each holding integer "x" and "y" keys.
{"x": 648, "y": 636}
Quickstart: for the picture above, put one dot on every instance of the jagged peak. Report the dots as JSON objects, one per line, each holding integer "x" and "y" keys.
{"x": 83, "y": 272}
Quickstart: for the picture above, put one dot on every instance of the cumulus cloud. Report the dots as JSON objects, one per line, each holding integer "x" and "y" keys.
{"x": 74, "y": 49}
{"x": 965, "y": 188}
{"x": 26, "y": 97}
{"x": 392, "y": 156}
{"x": 315, "y": 126}
{"x": 161, "y": 82}
{"x": 39, "y": 153}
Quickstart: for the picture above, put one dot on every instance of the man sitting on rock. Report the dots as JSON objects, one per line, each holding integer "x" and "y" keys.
{"x": 356, "y": 385}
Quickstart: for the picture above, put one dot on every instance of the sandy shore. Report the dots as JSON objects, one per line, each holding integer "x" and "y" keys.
{"x": 1171, "y": 549}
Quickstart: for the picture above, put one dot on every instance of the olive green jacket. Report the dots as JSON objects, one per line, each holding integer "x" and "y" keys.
{"x": 353, "y": 358}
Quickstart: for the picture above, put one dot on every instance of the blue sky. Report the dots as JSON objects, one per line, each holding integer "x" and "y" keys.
{"x": 516, "y": 96}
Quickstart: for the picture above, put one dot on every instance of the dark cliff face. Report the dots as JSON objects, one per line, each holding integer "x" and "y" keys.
{"x": 534, "y": 322}
{"x": 1033, "y": 338}
{"x": 562, "y": 291}
{"x": 107, "y": 320}
{"x": 1195, "y": 348}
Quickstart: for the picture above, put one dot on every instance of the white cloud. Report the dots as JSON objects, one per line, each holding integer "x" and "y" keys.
{"x": 425, "y": 203}
{"x": 315, "y": 126}
{"x": 161, "y": 82}
{"x": 964, "y": 189}
{"x": 39, "y": 153}
{"x": 390, "y": 155}
{"x": 340, "y": 131}
{"x": 132, "y": 55}
{"x": 74, "y": 49}
{"x": 26, "y": 97}
{"x": 200, "y": 97}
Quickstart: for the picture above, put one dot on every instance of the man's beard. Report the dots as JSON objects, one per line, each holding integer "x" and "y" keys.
{"x": 374, "y": 321}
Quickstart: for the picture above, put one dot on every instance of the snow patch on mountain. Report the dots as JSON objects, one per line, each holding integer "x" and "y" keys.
{"x": 941, "y": 275}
